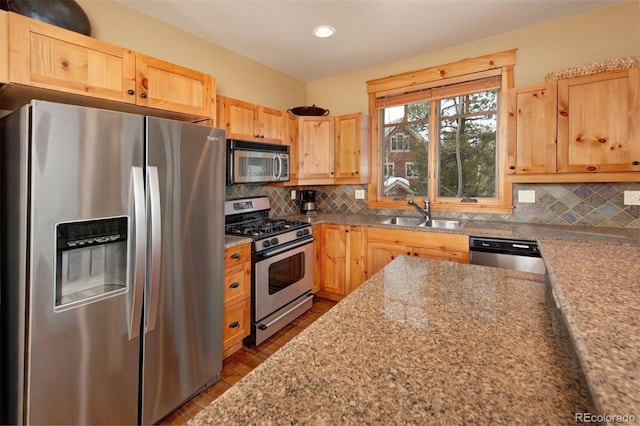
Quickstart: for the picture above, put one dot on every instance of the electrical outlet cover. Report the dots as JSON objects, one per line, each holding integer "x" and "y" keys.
{"x": 527, "y": 196}
{"x": 632, "y": 198}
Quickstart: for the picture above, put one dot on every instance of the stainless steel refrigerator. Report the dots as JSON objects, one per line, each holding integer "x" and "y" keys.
{"x": 112, "y": 264}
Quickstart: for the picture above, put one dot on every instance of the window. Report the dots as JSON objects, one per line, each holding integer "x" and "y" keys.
{"x": 399, "y": 142}
{"x": 411, "y": 170}
{"x": 389, "y": 170}
{"x": 446, "y": 133}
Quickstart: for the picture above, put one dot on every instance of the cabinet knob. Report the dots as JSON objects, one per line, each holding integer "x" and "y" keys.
{"x": 408, "y": 253}
{"x": 256, "y": 136}
{"x": 143, "y": 95}
{"x": 512, "y": 167}
{"x": 415, "y": 254}
{"x": 346, "y": 230}
{"x": 234, "y": 324}
{"x": 131, "y": 92}
{"x": 635, "y": 163}
{"x": 357, "y": 172}
{"x": 234, "y": 285}
{"x": 235, "y": 256}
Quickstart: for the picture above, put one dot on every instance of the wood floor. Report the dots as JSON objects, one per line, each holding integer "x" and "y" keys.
{"x": 236, "y": 366}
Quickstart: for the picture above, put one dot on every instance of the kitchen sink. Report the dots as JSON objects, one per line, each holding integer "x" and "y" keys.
{"x": 420, "y": 222}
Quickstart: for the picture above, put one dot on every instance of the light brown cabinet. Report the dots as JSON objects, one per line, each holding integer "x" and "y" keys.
{"x": 384, "y": 245}
{"x": 532, "y": 129}
{"x": 331, "y": 150}
{"x": 237, "y": 297}
{"x": 599, "y": 122}
{"x": 247, "y": 121}
{"x": 580, "y": 129}
{"x": 49, "y": 57}
{"x": 316, "y": 150}
{"x": 341, "y": 265}
{"x": 352, "y": 148}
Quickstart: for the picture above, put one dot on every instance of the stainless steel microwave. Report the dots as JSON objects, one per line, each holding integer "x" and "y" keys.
{"x": 256, "y": 162}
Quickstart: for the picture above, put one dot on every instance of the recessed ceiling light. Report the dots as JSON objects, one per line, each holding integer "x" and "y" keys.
{"x": 324, "y": 31}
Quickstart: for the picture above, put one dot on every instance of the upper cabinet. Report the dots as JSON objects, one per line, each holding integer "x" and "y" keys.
{"x": 49, "y": 57}
{"x": 580, "y": 129}
{"x": 352, "y": 148}
{"x": 532, "y": 129}
{"x": 316, "y": 149}
{"x": 247, "y": 121}
{"x": 599, "y": 122}
{"x": 332, "y": 150}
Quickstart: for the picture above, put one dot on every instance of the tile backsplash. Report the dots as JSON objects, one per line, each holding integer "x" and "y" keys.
{"x": 581, "y": 204}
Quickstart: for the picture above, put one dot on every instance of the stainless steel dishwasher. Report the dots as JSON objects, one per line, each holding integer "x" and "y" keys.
{"x": 520, "y": 255}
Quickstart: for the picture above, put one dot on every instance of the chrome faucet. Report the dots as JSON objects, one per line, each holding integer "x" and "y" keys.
{"x": 426, "y": 211}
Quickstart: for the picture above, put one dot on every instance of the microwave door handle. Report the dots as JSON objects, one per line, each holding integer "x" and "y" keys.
{"x": 278, "y": 162}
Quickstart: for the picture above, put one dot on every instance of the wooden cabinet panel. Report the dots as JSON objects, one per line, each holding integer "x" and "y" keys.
{"x": 272, "y": 123}
{"x": 383, "y": 245}
{"x": 379, "y": 254}
{"x": 237, "y": 255}
{"x": 598, "y": 124}
{"x": 170, "y": 87}
{"x": 50, "y": 57}
{"x": 316, "y": 149}
{"x": 352, "y": 148}
{"x": 342, "y": 260}
{"x": 532, "y": 129}
{"x": 236, "y": 326}
{"x": 247, "y": 121}
{"x": 317, "y": 258}
{"x": 237, "y": 297}
{"x": 292, "y": 132}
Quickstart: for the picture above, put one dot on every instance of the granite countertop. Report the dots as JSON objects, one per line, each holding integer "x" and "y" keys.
{"x": 422, "y": 341}
{"x": 597, "y": 289}
{"x": 234, "y": 241}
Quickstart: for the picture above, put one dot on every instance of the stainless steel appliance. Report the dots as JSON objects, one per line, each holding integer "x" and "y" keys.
{"x": 112, "y": 264}
{"x": 282, "y": 264}
{"x": 520, "y": 255}
{"x": 308, "y": 204}
{"x": 256, "y": 162}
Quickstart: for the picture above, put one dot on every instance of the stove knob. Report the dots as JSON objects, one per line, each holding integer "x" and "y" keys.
{"x": 299, "y": 234}
{"x": 274, "y": 241}
{"x": 306, "y": 232}
{"x": 266, "y": 244}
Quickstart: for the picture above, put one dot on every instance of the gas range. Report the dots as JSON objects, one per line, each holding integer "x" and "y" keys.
{"x": 248, "y": 217}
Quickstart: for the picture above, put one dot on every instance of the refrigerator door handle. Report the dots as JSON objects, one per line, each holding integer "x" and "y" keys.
{"x": 136, "y": 200}
{"x": 156, "y": 248}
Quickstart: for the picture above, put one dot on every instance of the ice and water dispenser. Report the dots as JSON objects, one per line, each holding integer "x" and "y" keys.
{"x": 91, "y": 260}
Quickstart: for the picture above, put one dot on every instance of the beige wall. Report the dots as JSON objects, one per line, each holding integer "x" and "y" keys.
{"x": 605, "y": 34}
{"x": 236, "y": 76}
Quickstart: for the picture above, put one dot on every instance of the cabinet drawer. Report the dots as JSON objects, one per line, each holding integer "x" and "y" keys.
{"x": 236, "y": 323}
{"x": 236, "y": 255}
{"x": 237, "y": 283}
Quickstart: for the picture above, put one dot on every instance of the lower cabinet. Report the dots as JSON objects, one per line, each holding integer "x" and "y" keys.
{"x": 340, "y": 260}
{"x": 237, "y": 298}
{"x": 384, "y": 245}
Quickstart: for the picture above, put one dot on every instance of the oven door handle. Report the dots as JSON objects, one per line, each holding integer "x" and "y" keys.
{"x": 270, "y": 253}
{"x": 303, "y": 300}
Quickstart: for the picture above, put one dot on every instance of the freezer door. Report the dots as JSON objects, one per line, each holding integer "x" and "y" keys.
{"x": 82, "y": 351}
{"x": 183, "y": 303}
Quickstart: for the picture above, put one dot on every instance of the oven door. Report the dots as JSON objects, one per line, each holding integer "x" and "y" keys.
{"x": 281, "y": 276}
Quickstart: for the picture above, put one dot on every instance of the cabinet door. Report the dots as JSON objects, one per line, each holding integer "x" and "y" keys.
{"x": 170, "y": 87}
{"x": 292, "y": 132}
{"x": 532, "y": 129}
{"x": 50, "y": 57}
{"x": 316, "y": 148}
{"x": 333, "y": 259}
{"x": 598, "y": 125}
{"x": 380, "y": 254}
{"x": 236, "y": 325}
{"x": 237, "y": 283}
{"x": 241, "y": 120}
{"x": 272, "y": 124}
{"x": 356, "y": 257}
{"x": 317, "y": 259}
{"x": 352, "y": 148}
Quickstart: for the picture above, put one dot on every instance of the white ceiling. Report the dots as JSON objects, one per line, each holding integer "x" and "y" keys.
{"x": 277, "y": 33}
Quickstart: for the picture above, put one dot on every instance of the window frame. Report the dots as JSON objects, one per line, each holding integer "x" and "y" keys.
{"x": 432, "y": 84}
